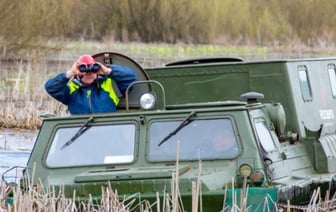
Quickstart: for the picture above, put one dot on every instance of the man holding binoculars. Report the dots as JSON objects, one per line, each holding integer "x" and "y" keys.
{"x": 88, "y": 86}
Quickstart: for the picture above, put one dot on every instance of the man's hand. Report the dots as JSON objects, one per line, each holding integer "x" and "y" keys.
{"x": 104, "y": 70}
{"x": 73, "y": 71}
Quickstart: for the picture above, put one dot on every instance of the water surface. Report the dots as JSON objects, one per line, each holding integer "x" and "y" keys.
{"x": 15, "y": 149}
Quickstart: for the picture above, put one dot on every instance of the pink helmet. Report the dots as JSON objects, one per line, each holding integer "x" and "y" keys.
{"x": 86, "y": 59}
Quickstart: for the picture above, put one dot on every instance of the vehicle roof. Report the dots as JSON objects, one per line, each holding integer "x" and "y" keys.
{"x": 233, "y": 60}
{"x": 170, "y": 109}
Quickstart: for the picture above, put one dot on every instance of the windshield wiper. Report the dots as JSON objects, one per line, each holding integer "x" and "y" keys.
{"x": 80, "y": 132}
{"x": 184, "y": 123}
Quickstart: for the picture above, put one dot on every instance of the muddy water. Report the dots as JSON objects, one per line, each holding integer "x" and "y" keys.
{"x": 15, "y": 149}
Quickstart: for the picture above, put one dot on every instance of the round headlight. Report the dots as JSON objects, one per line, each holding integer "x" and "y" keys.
{"x": 245, "y": 170}
{"x": 147, "y": 101}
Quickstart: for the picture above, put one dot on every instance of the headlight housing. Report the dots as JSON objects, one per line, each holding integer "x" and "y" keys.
{"x": 253, "y": 177}
{"x": 147, "y": 101}
{"x": 245, "y": 170}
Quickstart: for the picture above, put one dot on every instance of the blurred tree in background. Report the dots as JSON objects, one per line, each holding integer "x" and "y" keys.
{"x": 31, "y": 24}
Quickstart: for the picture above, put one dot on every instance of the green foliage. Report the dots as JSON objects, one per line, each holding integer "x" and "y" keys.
{"x": 25, "y": 24}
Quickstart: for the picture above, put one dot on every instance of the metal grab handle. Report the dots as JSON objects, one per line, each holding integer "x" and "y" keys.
{"x": 143, "y": 82}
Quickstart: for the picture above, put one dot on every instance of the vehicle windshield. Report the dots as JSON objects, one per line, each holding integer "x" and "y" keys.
{"x": 98, "y": 145}
{"x": 201, "y": 139}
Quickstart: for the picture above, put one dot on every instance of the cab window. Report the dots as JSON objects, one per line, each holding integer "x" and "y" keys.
{"x": 97, "y": 145}
{"x": 264, "y": 136}
{"x": 332, "y": 78}
{"x": 199, "y": 140}
{"x": 305, "y": 83}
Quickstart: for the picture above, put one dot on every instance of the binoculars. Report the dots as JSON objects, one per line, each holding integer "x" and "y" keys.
{"x": 89, "y": 68}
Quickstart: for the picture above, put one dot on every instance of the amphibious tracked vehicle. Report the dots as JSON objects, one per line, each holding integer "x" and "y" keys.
{"x": 277, "y": 114}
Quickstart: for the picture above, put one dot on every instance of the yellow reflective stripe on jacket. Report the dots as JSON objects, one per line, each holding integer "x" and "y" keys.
{"x": 73, "y": 87}
{"x": 107, "y": 87}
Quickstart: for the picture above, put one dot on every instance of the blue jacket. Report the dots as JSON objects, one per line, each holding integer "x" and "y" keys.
{"x": 99, "y": 97}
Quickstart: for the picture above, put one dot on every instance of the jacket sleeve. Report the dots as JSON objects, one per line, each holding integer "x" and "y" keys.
{"x": 123, "y": 77}
{"x": 57, "y": 88}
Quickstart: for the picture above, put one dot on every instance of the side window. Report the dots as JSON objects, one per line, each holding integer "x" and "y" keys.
{"x": 305, "y": 83}
{"x": 264, "y": 136}
{"x": 332, "y": 78}
{"x": 97, "y": 145}
{"x": 201, "y": 139}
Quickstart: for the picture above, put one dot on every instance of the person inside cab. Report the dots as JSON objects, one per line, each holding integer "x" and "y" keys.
{"x": 221, "y": 143}
{"x": 87, "y": 87}
{"x": 224, "y": 143}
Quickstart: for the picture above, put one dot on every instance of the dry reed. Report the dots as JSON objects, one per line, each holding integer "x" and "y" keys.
{"x": 23, "y": 98}
{"x": 37, "y": 198}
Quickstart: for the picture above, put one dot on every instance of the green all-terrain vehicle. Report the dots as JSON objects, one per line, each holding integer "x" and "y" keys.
{"x": 264, "y": 129}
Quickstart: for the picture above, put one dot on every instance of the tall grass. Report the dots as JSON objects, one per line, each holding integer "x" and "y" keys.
{"x": 39, "y": 198}
{"x": 22, "y": 96}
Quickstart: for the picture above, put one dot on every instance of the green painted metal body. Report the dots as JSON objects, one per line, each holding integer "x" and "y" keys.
{"x": 278, "y": 80}
{"x": 128, "y": 149}
{"x": 305, "y": 88}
